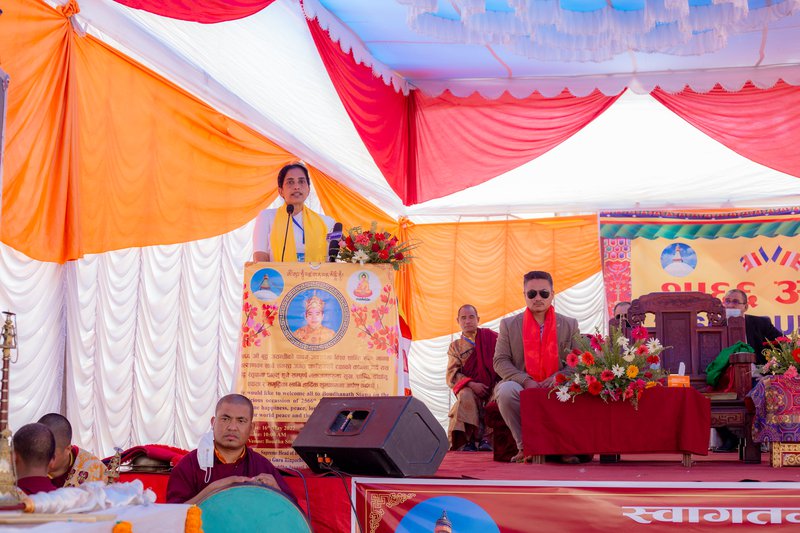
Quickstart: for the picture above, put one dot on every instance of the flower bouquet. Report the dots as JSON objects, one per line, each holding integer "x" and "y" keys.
{"x": 783, "y": 356}
{"x": 612, "y": 367}
{"x": 373, "y": 246}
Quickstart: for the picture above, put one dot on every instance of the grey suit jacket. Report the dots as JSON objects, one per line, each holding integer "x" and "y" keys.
{"x": 509, "y": 355}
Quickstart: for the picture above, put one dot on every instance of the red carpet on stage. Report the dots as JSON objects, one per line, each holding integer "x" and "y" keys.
{"x": 330, "y": 500}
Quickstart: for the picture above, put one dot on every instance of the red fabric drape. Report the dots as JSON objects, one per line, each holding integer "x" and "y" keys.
{"x": 205, "y": 11}
{"x": 429, "y": 147}
{"x": 763, "y": 125}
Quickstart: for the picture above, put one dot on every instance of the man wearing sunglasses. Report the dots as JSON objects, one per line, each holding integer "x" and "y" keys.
{"x": 531, "y": 348}
{"x": 759, "y": 329}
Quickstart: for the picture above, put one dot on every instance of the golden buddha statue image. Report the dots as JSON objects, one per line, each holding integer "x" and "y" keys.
{"x": 313, "y": 332}
{"x": 363, "y": 290}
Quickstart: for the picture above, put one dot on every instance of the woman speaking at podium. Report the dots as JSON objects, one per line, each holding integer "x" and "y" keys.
{"x": 293, "y": 232}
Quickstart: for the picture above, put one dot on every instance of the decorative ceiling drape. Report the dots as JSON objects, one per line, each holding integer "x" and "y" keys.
{"x": 763, "y": 125}
{"x": 204, "y": 11}
{"x": 429, "y": 147}
{"x": 103, "y": 154}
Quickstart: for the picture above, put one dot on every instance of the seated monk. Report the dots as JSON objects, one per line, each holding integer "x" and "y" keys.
{"x": 34, "y": 449}
{"x": 72, "y": 466}
{"x": 233, "y": 462}
{"x": 472, "y": 377}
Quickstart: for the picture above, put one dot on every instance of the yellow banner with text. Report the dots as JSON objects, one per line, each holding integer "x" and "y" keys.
{"x": 767, "y": 269}
{"x": 313, "y": 330}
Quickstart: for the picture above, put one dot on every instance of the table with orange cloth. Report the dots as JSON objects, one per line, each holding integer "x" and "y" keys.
{"x": 669, "y": 420}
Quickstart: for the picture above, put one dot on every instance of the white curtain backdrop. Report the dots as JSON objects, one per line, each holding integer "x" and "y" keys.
{"x": 136, "y": 346}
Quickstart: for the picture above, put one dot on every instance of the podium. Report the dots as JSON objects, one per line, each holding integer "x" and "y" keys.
{"x": 309, "y": 331}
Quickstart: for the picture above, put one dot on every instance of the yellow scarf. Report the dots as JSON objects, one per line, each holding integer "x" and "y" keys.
{"x": 315, "y": 231}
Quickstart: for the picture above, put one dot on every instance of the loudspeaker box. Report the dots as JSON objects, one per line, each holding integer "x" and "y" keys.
{"x": 373, "y": 435}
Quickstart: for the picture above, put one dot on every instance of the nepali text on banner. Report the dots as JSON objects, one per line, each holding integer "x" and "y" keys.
{"x": 767, "y": 269}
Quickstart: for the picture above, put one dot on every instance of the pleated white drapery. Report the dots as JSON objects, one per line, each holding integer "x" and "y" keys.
{"x": 136, "y": 346}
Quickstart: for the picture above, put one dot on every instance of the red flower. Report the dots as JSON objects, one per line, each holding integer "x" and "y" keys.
{"x": 392, "y": 241}
{"x": 628, "y": 393}
{"x": 590, "y": 379}
{"x": 642, "y": 350}
{"x": 606, "y": 375}
{"x": 560, "y": 378}
{"x": 796, "y": 354}
{"x": 376, "y": 247}
{"x": 379, "y": 236}
{"x": 595, "y": 388}
{"x": 349, "y": 243}
{"x": 596, "y": 341}
{"x": 572, "y": 360}
{"x": 575, "y": 388}
{"x": 399, "y": 256}
{"x": 782, "y": 339}
{"x": 653, "y": 359}
{"x": 587, "y": 358}
{"x": 384, "y": 254}
{"x": 639, "y": 333}
{"x": 648, "y": 374}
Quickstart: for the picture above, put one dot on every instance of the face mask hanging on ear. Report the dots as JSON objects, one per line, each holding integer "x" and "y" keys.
{"x": 205, "y": 454}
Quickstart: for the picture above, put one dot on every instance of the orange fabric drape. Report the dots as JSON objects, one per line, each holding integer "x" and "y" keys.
{"x": 482, "y": 263}
{"x": 347, "y": 206}
{"x": 103, "y": 154}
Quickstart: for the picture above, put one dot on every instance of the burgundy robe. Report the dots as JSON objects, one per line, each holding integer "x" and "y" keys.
{"x": 35, "y": 484}
{"x": 188, "y": 479}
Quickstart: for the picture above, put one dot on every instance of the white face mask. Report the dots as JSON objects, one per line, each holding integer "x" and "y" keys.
{"x": 732, "y": 312}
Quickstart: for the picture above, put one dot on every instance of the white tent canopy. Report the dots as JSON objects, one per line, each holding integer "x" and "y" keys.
{"x": 140, "y": 342}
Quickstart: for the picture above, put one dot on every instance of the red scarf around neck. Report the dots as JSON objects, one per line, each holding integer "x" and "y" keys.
{"x": 541, "y": 354}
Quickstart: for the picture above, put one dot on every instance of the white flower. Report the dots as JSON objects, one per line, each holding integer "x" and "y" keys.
{"x": 562, "y": 394}
{"x": 653, "y": 345}
{"x": 577, "y": 379}
{"x": 618, "y": 371}
{"x": 622, "y": 342}
{"x": 629, "y": 357}
{"x": 360, "y": 256}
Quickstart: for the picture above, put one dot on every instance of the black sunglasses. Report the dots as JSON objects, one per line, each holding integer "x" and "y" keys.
{"x": 544, "y": 293}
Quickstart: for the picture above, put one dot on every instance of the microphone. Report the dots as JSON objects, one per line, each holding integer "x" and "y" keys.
{"x": 333, "y": 245}
{"x": 289, "y": 210}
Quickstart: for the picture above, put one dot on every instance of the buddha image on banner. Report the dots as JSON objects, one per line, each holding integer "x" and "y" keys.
{"x": 313, "y": 330}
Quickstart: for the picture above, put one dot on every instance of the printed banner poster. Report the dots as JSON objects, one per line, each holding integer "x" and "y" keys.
{"x": 767, "y": 269}
{"x": 424, "y": 506}
{"x": 309, "y": 331}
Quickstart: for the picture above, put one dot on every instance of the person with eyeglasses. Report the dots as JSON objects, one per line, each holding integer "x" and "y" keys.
{"x": 758, "y": 329}
{"x": 531, "y": 348}
{"x": 307, "y": 240}
{"x": 620, "y": 313}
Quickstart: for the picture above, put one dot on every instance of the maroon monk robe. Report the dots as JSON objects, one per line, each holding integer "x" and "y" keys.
{"x": 480, "y": 366}
{"x": 35, "y": 484}
{"x": 188, "y": 479}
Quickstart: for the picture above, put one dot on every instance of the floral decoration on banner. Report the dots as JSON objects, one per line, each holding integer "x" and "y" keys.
{"x": 783, "y": 356}
{"x": 612, "y": 367}
{"x": 259, "y": 319}
{"x": 373, "y": 246}
{"x": 369, "y": 323}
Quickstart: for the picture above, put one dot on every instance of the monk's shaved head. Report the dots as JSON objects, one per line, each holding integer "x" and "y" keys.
{"x": 60, "y": 427}
{"x": 236, "y": 399}
{"x": 35, "y": 445}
